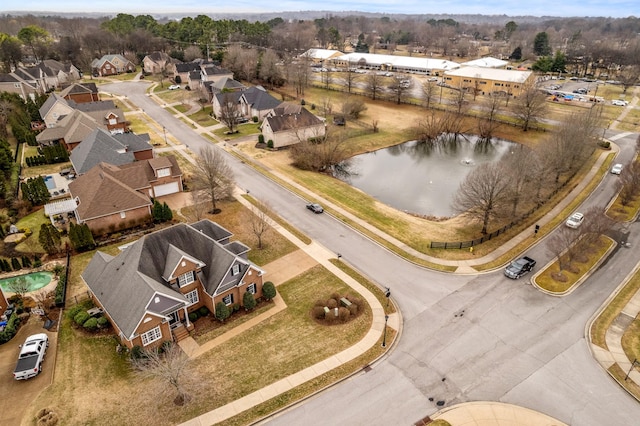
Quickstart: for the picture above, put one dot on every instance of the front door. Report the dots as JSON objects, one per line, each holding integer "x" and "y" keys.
{"x": 174, "y": 319}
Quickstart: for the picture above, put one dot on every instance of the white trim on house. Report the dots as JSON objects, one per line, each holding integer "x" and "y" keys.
{"x": 151, "y": 336}
{"x": 192, "y": 297}
{"x": 186, "y": 278}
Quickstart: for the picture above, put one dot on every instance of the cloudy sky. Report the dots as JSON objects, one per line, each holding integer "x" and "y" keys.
{"x": 609, "y": 8}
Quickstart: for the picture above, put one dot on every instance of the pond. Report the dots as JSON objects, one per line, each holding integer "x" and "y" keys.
{"x": 35, "y": 281}
{"x": 422, "y": 177}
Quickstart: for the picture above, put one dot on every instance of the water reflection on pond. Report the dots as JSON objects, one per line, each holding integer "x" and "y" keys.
{"x": 422, "y": 177}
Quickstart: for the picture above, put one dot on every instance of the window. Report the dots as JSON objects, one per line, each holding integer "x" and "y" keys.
{"x": 228, "y": 299}
{"x": 186, "y": 279}
{"x": 252, "y": 288}
{"x": 113, "y": 121}
{"x": 192, "y": 297}
{"x": 235, "y": 270}
{"x": 151, "y": 336}
{"x": 164, "y": 172}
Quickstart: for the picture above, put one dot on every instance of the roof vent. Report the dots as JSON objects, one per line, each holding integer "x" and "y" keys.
{"x": 157, "y": 299}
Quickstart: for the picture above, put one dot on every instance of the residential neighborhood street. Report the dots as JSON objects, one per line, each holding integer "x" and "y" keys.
{"x": 465, "y": 337}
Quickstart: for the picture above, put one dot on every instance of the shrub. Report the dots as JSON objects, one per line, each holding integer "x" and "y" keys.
{"x": 203, "y": 311}
{"x": 254, "y": 118}
{"x": 270, "y": 144}
{"x": 319, "y": 303}
{"x": 332, "y": 303}
{"x": 260, "y": 138}
{"x": 81, "y": 317}
{"x": 336, "y": 296}
{"x": 91, "y": 324}
{"x": 10, "y": 329}
{"x": 193, "y": 316}
{"x": 343, "y": 314}
{"x": 302, "y": 102}
{"x": 103, "y": 322}
{"x": 318, "y": 312}
{"x": 268, "y": 290}
{"x": 72, "y": 312}
{"x": 222, "y": 311}
{"x": 136, "y": 352}
{"x": 353, "y": 309}
{"x": 248, "y": 301}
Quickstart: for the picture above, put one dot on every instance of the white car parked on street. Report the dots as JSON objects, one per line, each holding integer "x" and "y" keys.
{"x": 616, "y": 169}
{"x": 619, "y": 102}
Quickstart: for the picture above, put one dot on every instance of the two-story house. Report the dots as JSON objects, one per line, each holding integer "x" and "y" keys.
{"x": 148, "y": 290}
{"x": 112, "y": 197}
{"x": 111, "y": 65}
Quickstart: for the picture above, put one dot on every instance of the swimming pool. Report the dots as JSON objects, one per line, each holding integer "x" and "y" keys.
{"x": 35, "y": 281}
{"x": 48, "y": 180}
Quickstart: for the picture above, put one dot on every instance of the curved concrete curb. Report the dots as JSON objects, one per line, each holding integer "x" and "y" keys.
{"x": 483, "y": 413}
{"x": 577, "y": 283}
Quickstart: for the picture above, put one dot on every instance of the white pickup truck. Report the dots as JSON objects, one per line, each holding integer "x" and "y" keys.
{"x": 31, "y": 356}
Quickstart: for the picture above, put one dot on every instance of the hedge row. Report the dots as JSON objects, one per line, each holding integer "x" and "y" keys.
{"x": 11, "y": 328}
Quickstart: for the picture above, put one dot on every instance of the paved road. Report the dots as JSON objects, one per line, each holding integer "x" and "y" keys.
{"x": 465, "y": 338}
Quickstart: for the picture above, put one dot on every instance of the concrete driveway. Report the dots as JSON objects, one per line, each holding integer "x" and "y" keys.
{"x": 17, "y": 395}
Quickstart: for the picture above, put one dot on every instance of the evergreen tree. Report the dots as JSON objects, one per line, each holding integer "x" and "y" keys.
{"x": 516, "y": 55}
{"x": 88, "y": 243}
{"x": 6, "y": 266}
{"x": 222, "y": 311}
{"x": 2, "y": 267}
{"x": 248, "y": 301}
{"x": 268, "y": 290}
{"x": 15, "y": 264}
{"x": 157, "y": 212}
{"x": 541, "y": 45}
{"x": 26, "y": 262}
{"x": 49, "y": 238}
{"x": 167, "y": 214}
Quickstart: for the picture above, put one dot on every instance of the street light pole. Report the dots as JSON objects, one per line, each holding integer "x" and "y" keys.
{"x": 164, "y": 131}
{"x": 387, "y": 295}
{"x": 633, "y": 364}
{"x": 384, "y": 337}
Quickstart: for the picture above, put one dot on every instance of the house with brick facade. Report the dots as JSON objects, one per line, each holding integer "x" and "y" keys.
{"x": 148, "y": 290}
{"x": 81, "y": 93}
{"x": 113, "y": 197}
{"x": 111, "y": 65}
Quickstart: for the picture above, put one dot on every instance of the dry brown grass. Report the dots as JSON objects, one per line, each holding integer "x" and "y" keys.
{"x": 94, "y": 384}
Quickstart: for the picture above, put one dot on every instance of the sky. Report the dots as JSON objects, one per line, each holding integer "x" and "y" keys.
{"x": 594, "y": 8}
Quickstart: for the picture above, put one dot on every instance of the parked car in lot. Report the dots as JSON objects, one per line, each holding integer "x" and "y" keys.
{"x": 31, "y": 356}
{"x": 575, "y": 220}
{"x": 174, "y": 87}
{"x": 519, "y": 267}
{"x": 619, "y": 102}
{"x": 617, "y": 169}
{"x": 316, "y": 208}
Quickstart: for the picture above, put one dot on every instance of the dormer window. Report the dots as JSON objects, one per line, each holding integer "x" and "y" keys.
{"x": 186, "y": 279}
{"x": 164, "y": 172}
{"x": 235, "y": 270}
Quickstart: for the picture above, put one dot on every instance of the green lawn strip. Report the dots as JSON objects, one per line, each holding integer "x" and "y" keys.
{"x": 203, "y": 117}
{"x": 33, "y": 222}
{"x": 611, "y": 311}
{"x": 182, "y": 108}
{"x": 241, "y": 131}
{"x": 28, "y": 150}
{"x": 629, "y": 385}
{"x": 578, "y": 269}
{"x": 45, "y": 169}
{"x": 622, "y": 213}
{"x": 209, "y": 137}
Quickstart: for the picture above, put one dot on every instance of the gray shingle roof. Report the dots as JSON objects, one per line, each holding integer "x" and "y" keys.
{"x": 100, "y": 146}
{"x": 127, "y": 284}
{"x": 260, "y": 99}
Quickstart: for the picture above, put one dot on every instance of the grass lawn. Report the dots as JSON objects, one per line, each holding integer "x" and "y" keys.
{"x": 577, "y": 269}
{"x": 45, "y": 169}
{"x": 203, "y": 117}
{"x": 123, "y": 397}
{"x": 242, "y": 130}
{"x": 32, "y": 221}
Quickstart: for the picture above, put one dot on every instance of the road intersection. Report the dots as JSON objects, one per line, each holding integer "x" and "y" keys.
{"x": 465, "y": 337}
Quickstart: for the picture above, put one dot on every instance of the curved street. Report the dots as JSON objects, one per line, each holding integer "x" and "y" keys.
{"x": 465, "y": 337}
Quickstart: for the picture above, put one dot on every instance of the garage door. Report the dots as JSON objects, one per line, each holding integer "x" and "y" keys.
{"x": 166, "y": 189}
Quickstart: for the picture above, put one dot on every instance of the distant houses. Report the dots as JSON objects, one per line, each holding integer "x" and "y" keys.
{"x": 111, "y": 65}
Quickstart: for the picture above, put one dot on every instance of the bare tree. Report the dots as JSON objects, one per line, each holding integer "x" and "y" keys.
{"x": 530, "y": 106}
{"x": 19, "y": 286}
{"x": 169, "y": 366}
{"x": 373, "y": 85}
{"x": 350, "y": 77}
{"x": 212, "y": 176}
{"x": 560, "y": 245}
{"x": 429, "y": 89}
{"x": 260, "y": 221}
{"x": 299, "y": 74}
{"x": 320, "y": 155}
{"x": 42, "y": 297}
{"x": 230, "y": 113}
{"x": 400, "y": 87}
{"x": 629, "y": 183}
{"x": 327, "y": 77}
{"x": 596, "y": 223}
{"x": 515, "y": 162}
{"x": 487, "y": 119}
{"x": 484, "y": 194}
{"x": 353, "y": 106}
{"x": 191, "y": 53}
{"x": 198, "y": 208}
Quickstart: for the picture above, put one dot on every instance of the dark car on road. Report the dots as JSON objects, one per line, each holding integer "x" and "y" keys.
{"x": 316, "y": 208}
{"x": 519, "y": 267}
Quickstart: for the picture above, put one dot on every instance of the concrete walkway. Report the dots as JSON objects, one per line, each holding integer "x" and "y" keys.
{"x": 474, "y": 413}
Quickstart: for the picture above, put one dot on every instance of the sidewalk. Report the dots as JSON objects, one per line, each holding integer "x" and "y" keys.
{"x": 472, "y": 414}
